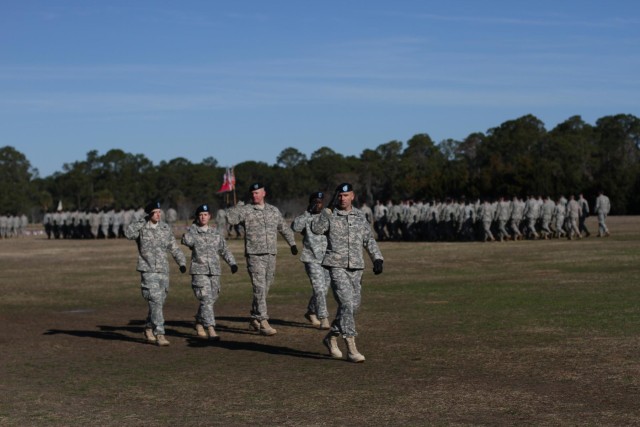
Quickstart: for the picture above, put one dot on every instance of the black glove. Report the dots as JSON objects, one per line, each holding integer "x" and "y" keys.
{"x": 294, "y": 250}
{"x": 183, "y": 269}
{"x": 234, "y": 269}
{"x": 377, "y": 266}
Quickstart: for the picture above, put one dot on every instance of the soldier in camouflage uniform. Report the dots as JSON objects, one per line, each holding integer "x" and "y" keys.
{"x": 573, "y": 216}
{"x": 207, "y": 245}
{"x": 602, "y": 208}
{"x": 262, "y": 223}
{"x": 154, "y": 239}
{"x": 347, "y": 233}
{"x": 314, "y": 247}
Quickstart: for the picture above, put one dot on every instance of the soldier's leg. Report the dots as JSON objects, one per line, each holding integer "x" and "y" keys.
{"x": 204, "y": 293}
{"x": 320, "y": 281}
{"x": 257, "y": 265}
{"x": 154, "y": 290}
{"x": 348, "y": 298}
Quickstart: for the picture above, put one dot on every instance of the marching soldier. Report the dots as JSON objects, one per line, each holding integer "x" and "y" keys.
{"x": 348, "y": 232}
{"x": 313, "y": 249}
{"x": 154, "y": 239}
{"x": 262, "y": 223}
{"x": 207, "y": 245}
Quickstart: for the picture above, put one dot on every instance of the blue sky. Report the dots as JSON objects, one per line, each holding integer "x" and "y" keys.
{"x": 244, "y": 80}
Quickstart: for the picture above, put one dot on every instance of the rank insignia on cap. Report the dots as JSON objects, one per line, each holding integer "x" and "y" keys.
{"x": 344, "y": 187}
{"x": 255, "y": 186}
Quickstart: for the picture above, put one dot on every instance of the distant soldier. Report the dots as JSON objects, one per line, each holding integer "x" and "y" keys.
{"x": 221, "y": 223}
{"x": 313, "y": 249}
{"x": 487, "y": 213}
{"x": 368, "y": 213}
{"x": 4, "y": 221}
{"x": 94, "y": 222}
{"x": 105, "y": 222}
{"x": 207, "y": 246}
{"x": 118, "y": 219}
{"x": 347, "y": 233}
{"x": 517, "y": 212}
{"x": 546, "y": 214}
{"x": 47, "y": 222}
{"x": 380, "y": 213}
{"x": 559, "y": 215}
{"x": 603, "y": 206}
{"x": 262, "y": 223}
{"x": 582, "y": 224}
{"x": 154, "y": 239}
{"x": 503, "y": 213}
{"x": 573, "y": 216}
{"x": 172, "y": 217}
{"x": 531, "y": 214}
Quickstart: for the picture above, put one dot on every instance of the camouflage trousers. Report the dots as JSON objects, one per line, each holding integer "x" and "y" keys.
{"x": 262, "y": 269}
{"x": 206, "y": 289}
{"x": 486, "y": 227}
{"x": 346, "y": 286}
{"x": 560, "y": 220}
{"x": 573, "y": 229}
{"x": 502, "y": 229}
{"x": 155, "y": 287}
{"x": 320, "y": 282}
{"x": 545, "y": 226}
{"x": 514, "y": 224}
{"x": 602, "y": 226}
{"x": 531, "y": 227}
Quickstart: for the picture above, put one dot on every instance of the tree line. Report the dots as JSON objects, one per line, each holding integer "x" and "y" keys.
{"x": 518, "y": 157}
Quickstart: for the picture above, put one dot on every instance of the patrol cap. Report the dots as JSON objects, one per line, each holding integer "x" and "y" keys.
{"x": 318, "y": 195}
{"x": 202, "y": 208}
{"x": 255, "y": 186}
{"x": 151, "y": 207}
{"x": 344, "y": 187}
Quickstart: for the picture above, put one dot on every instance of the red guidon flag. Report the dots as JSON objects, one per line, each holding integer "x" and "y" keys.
{"x": 226, "y": 182}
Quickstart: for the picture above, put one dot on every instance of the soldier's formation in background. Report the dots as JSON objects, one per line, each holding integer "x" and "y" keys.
{"x": 105, "y": 223}
{"x": 13, "y": 225}
{"x": 537, "y": 217}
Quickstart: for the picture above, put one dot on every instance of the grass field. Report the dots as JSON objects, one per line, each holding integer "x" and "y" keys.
{"x": 514, "y": 333}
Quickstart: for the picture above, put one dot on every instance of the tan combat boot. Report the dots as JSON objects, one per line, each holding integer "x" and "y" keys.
{"x": 212, "y": 334}
{"x": 331, "y": 342}
{"x": 254, "y": 324}
{"x": 324, "y": 324}
{"x": 200, "y": 331}
{"x": 312, "y": 318}
{"x": 266, "y": 329}
{"x": 353, "y": 354}
{"x": 148, "y": 335}
{"x": 162, "y": 341}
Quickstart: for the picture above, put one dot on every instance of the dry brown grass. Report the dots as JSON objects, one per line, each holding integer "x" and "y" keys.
{"x": 534, "y": 333}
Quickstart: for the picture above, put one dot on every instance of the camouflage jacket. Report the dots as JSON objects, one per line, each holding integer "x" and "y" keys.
{"x": 206, "y": 248}
{"x": 261, "y": 226}
{"x": 314, "y": 245}
{"x": 347, "y": 233}
{"x": 152, "y": 246}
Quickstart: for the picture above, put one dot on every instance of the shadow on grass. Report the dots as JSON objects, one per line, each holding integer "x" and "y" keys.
{"x": 120, "y": 333}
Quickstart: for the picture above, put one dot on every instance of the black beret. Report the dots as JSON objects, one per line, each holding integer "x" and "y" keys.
{"x": 318, "y": 195}
{"x": 151, "y": 207}
{"x": 344, "y": 187}
{"x": 202, "y": 208}
{"x": 255, "y": 186}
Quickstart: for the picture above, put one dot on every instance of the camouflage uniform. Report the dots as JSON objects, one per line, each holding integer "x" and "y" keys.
{"x": 314, "y": 247}
{"x": 262, "y": 223}
{"x": 573, "y": 215}
{"x": 347, "y": 233}
{"x": 153, "y": 242}
{"x": 602, "y": 208}
{"x": 207, "y": 245}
